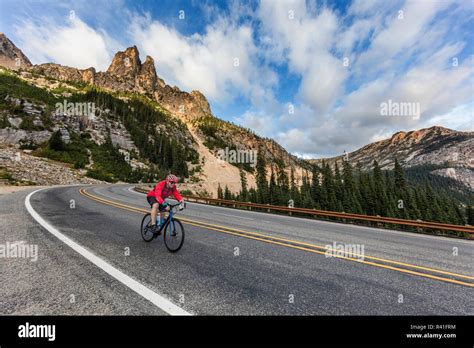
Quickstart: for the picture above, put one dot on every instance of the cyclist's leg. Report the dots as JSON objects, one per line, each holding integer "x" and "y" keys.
{"x": 162, "y": 213}
{"x": 153, "y": 213}
{"x": 154, "y": 209}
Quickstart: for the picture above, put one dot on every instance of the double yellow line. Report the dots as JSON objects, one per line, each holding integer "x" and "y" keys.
{"x": 374, "y": 261}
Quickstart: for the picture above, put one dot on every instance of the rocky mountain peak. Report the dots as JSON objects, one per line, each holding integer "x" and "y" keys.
{"x": 418, "y": 135}
{"x": 399, "y": 136}
{"x": 11, "y": 56}
{"x": 201, "y": 101}
{"x": 126, "y": 63}
{"x": 147, "y": 78}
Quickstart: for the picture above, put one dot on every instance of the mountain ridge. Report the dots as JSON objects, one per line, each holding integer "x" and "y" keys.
{"x": 452, "y": 151}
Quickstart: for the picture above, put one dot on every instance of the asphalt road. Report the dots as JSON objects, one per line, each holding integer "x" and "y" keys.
{"x": 219, "y": 273}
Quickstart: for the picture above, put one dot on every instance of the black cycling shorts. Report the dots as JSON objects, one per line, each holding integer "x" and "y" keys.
{"x": 152, "y": 200}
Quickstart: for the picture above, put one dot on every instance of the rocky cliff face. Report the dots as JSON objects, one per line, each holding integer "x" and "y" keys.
{"x": 11, "y": 56}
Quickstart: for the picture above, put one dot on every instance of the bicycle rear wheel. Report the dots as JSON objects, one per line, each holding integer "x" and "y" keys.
{"x": 174, "y": 235}
{"x": 145, "y": 230}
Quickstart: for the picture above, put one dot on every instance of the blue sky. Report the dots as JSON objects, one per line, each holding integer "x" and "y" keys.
{"x": 310, "y": 74}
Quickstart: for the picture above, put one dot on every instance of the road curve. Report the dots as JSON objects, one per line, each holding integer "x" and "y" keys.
{"x": 236, "y": 262}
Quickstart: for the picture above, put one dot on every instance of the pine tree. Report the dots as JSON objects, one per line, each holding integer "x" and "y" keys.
{"x": 56, "y": 143}
{"x": 400, "y": 181}
{"x": 367, "y": 194}
{"x": 253, "y": 195}
{"x": 316, "y": 188}
{"x": 262, "y": 185}
{"x": 284, "y": 185}
{"x": 272, "y": 190}
{"x": 338, "y": 187}
{"x": 349, "y": 199}
{"x": 220, "y": 193}
{"x": 435, "y": 210}
{"x": 307, "y": 201}
{"x": 243, "y": 182}
{"x": 328, "y": 196}
{"x": 294, "y": 192}
{"x": 227, "y": 193}
{"x": 379, "y": 191}
{"x": 470, "y": 215}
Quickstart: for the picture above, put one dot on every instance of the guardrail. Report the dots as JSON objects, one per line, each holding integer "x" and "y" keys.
{"x": 331, "y": 214}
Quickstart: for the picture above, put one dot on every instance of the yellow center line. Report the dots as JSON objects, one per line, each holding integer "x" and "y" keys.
{"x": 300, "y": 246}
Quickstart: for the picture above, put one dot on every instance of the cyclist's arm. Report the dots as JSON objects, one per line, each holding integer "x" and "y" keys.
{"x": 177, "y": 196}
{"x": 158, "y": 191}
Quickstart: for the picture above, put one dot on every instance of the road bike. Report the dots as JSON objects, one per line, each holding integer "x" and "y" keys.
{"x": 173, "y": 234}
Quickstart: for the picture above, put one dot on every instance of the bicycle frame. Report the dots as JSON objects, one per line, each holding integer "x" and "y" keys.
{"x": 169, "y": 219}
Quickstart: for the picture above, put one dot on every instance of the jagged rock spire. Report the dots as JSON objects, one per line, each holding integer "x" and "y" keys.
{"x": 126, "y": 63}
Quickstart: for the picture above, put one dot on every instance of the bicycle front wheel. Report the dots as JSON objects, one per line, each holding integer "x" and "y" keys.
{"x": 174, "y": 235}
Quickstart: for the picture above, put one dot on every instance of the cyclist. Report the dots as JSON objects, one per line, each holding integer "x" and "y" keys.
{"x": 157, "y": 196}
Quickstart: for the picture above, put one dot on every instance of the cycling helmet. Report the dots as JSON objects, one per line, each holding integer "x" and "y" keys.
{"x": 172, "y": 178}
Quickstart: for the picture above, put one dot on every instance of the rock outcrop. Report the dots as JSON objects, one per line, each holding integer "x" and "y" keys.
{"x": 126, "y": 64}
{"x": 19, "y": 165}
{"x": 11, "y": 56}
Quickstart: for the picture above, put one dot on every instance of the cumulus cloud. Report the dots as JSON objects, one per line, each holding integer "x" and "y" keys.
{"x": 222, "y": 62}
{"x": 260, "y": 122}
{"x": 305, "y": 40}
{"x": 72, "y": 43}
{"x": 404, "y": 29}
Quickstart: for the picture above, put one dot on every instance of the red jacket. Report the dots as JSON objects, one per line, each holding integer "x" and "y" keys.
{"x": 160, "y": 192}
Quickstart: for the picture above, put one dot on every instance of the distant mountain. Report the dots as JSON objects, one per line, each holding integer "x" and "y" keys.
{"x": 444, "y": 151}
{"x": 11, "y": 56}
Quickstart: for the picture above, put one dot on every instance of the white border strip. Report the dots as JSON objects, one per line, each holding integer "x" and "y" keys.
{"x": 158, "y": 300}
{"x": 131, "y": 189}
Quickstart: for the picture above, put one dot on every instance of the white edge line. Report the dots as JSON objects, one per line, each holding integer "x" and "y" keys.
{"x": 158, "y": 300}
{"x": 133, "y": 191}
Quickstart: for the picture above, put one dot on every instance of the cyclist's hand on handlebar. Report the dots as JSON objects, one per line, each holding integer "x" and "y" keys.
{"x": 181, "y": 205}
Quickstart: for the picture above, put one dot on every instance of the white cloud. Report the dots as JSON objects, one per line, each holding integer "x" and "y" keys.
{"x": 261, "y": 123}
{"x": 292, "y": 32}
{"x": 72, "y": 43}
{"x": 404, "y": 29}
{"x": 221, "y": 63}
